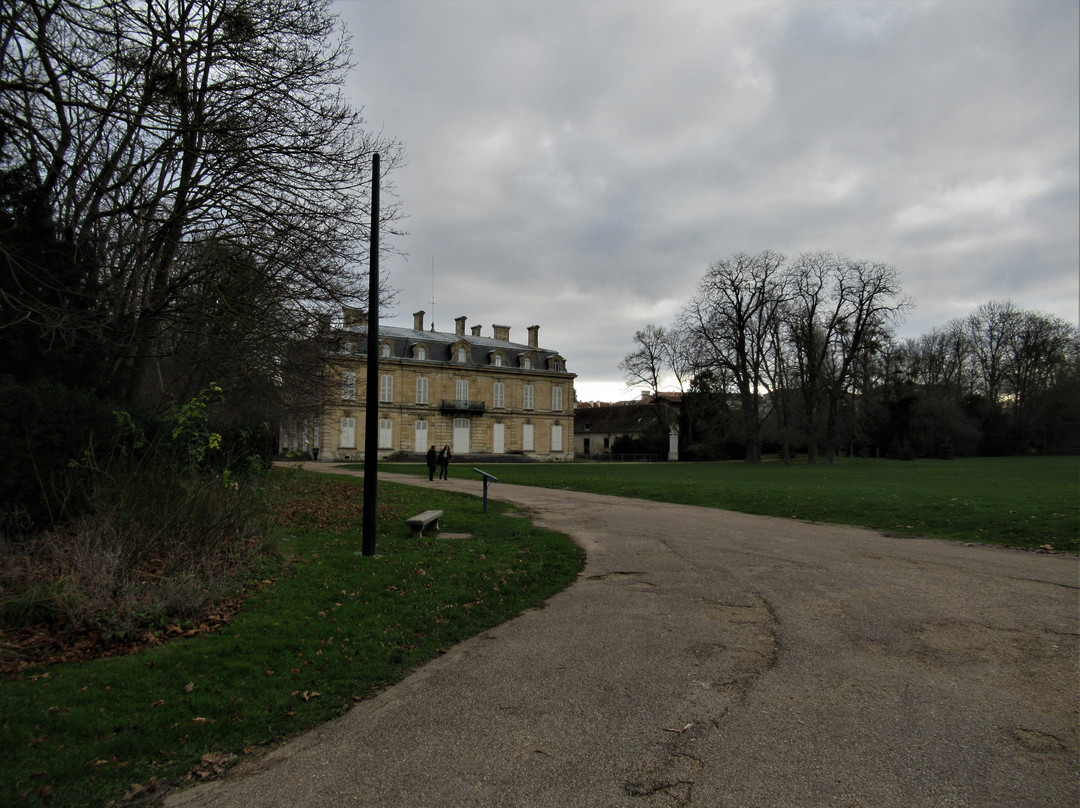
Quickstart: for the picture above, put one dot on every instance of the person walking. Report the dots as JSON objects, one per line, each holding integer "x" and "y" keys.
{"x": 444, "y": 463}
{"x": 432, "y": 460}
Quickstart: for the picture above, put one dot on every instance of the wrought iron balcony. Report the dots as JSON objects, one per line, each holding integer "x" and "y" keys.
{"x": 459, "y": 405}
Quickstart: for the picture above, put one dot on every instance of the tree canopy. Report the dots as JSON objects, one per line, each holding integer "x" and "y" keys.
{"x": 802, "y": 355}
{"x": 200, "y": 181}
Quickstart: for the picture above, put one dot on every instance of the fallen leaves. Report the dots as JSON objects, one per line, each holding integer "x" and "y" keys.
{"x": 137, "y": 793}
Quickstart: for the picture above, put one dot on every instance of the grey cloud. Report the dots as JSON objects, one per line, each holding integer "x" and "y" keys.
{"x": 580, "y": 164}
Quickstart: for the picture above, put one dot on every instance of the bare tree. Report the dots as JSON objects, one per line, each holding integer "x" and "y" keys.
{"x": 733, "y": 316}
{"x": 839, "y": 309}
{"x": 645, "y": 364}
{"x": 168, "y": 133}
{"x": 991, "y": 329}
{"x": 868, "y": 301}
{"x": 1043, "y": 351}
{"x": 810, "y": 317}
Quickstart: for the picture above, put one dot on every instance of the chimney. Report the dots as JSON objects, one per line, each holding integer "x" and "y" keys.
{"x": 459, "y": 326}
{"x": 534, "y": 339}
{"x": 501, "y": 332}
{"x": 476, "y": 330}
{"x": 418, "y": 321}
{"x": 354, "y": 318}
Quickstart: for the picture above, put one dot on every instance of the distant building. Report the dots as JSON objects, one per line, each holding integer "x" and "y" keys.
{"x": 598, "y": 426}
{"x": 477, "y": 394}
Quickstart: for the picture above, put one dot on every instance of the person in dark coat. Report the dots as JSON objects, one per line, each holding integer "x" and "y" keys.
{"x": 432, "y": 460}
{"x": 444, "y": 463}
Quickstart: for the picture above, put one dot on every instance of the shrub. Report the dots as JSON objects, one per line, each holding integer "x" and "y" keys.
{"x": 162, "y": 535}
{"x": 43, "y": 426}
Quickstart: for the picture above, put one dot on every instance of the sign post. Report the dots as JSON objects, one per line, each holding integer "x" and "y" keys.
{"x": 486, "y": 477}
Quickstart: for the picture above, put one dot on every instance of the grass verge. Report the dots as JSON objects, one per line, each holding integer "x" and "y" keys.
{"x": 332, "y": 629}
{"x": 1029, "y": 502}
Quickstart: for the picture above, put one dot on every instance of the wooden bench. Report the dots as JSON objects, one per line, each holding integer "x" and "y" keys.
{"x": 423, "y": 520}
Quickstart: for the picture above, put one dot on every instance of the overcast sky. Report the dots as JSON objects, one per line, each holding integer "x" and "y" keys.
{"x": 578, "y": 164}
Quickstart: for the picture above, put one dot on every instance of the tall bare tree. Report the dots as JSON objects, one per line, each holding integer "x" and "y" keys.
{"x": 733, "y": 316}
{"x": 171, "y": 135}
{"x": 839, "y": 309}
{"x": 810, "y": 319}
{"x": 869, "y": 301}
{"x": 991, "y": 329}
{"x": 645, "y": 364}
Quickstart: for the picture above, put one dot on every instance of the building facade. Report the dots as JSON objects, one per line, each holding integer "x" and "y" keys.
{"x": 480, "y": 395}
{"x": 599, "y": 427}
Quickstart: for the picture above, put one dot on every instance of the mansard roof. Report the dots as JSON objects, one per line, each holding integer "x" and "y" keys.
{"x": 442, "y": 344}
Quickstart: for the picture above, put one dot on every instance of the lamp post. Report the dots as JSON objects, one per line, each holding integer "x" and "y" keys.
{"x": 371, "y": 422}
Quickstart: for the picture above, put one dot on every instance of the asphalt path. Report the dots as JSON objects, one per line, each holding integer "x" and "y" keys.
{"x": 714, "y": 659}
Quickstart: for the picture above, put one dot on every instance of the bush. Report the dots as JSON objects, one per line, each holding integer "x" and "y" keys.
{"x": 44, "y": 425}
{"x": 162, "y": 535}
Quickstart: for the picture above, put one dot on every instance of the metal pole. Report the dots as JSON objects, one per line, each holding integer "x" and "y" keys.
{"x": 371, "y": 422}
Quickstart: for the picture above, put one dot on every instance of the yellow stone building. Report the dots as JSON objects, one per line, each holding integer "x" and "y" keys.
{"x": 479, "y": 395}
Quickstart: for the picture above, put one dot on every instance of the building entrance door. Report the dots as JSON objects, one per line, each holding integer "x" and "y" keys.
{"x": 461, "y": 436}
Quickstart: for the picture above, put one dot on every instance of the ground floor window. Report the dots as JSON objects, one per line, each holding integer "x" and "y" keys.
{"x": 527, "y": 443}
{"x": 386, "y": 434}
{"x": 556, "y": 437}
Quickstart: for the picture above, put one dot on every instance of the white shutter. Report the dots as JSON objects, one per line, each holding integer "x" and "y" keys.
{"x": 348, "y": 433}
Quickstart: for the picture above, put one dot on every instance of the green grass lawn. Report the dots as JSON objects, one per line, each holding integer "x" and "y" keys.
{"x": 333, "y": 628}
{"x": 1030, "y": 502}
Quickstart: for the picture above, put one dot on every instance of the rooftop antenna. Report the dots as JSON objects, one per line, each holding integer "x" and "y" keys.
{"x": 433, "y": 294}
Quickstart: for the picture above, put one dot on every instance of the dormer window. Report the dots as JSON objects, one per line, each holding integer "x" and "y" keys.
{"x": 385, "y": 351}
{"x": 526, "y": 362}
{"x": 421, "y": 352}
{"x": 349, "y": 347}
{"x": 462, "y": 354}
{"x": 497, "y": 360}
